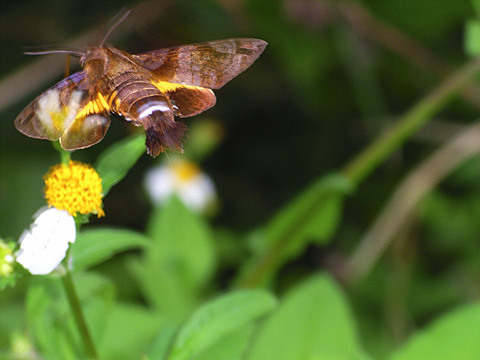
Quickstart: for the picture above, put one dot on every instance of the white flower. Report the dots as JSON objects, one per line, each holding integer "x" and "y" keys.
{"x": 45, "y": 244}
{"x": 183, "y": 178}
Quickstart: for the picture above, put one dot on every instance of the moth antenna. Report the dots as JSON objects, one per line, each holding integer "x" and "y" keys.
{"x": 113, "y": 24}
{"x": 45, "y": 50}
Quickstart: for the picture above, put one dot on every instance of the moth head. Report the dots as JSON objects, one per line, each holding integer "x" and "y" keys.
{"x": 94, "y": 61}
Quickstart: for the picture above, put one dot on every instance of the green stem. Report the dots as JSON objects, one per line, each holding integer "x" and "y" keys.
{"x": 65, "y": 157}
{"x": 78, "y": 314}
{"x": 64, "y": 154}
{"x": 368, "y": 160}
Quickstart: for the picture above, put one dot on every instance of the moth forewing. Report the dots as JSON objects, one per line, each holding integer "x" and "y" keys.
{"x": 211, "y": 64}
{"x": 51, "y": 113}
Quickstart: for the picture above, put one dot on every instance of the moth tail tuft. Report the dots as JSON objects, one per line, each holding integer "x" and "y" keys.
{"x": 168, "y": 137}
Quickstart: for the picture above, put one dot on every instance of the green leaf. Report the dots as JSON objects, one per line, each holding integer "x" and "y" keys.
{"x": 218, "y": 318}
{"x": 50, "y": 320}
{"x": 313, "y": 215}
{"x": 129, "y": 331}
{"x": 454, "y": 336}
{"x": 51, "y": 327}
{"x": 97, "y": 295}
{"x": 312, "y": 322}
{"x": 161, "y": 344}
{"x": 472, "y": 38}
{"x": 95, "y": 246}
{"x": 115, "y": 162}
{"x": 180, "y": 261}
{"x": 231, "y": 347}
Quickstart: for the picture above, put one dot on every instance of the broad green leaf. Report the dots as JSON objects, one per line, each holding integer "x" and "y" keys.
{"x": 312, "y": 322}
{"x": 218, "y": 318}
{"x": 161, "y": 344}
{"x": 115, "y": 162}
{"x": 50, "y": 326}
{"x": 129, "y": 331}
{"x": 313, "y": 215}
{"x": 95, "y": 246}
{"x": 180, "y": 261}
{"x": 50, "y": 320}
{"x": 453, "y": 336}
{"x": 96, "y": 294}
{"x": 231, "y": 347}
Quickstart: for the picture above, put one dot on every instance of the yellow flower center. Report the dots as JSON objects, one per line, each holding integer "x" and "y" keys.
{"x": 185, "y": 170}
{"x": 75, "y": 187}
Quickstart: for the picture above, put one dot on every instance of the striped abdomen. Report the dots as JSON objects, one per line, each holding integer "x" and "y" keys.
{"x": 142, "y": 103}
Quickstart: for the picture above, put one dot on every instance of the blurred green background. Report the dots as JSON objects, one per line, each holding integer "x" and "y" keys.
{"x": 334, "y": 76}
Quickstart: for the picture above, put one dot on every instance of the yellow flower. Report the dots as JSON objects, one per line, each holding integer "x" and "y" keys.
{"x": 76, "y": 188}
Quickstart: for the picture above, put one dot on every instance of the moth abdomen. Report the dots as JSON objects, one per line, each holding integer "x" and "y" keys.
{"x": 143, "y": 104}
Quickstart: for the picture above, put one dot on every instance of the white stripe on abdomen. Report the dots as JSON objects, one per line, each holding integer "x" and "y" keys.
{"x": 149, "y": 108}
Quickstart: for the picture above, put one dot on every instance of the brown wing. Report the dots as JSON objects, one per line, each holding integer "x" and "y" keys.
{"x": 186, "y": 100}
{"x": 69, "y": 112}
{"x": 209, "y": 65}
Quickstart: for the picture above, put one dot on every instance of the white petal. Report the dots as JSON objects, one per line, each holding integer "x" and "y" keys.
{"x": 198, "y": 193}
{"x": 160, "y": 184}
{"x": 45, "y": 244}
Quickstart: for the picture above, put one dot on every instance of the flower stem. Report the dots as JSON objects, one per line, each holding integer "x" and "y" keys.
{"x": 78, "y": 314}
{"x": 65, "y": 156}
